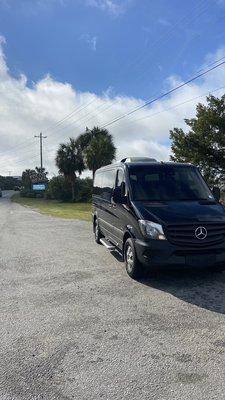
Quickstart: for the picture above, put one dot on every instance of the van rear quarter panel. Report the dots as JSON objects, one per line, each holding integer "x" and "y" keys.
{"x": 102, "y": 200}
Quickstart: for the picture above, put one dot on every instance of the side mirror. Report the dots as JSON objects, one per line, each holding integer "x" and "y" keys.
{"x": 216, "y": 193}
{"x": 123, "y": 189}
{"x": 119, "y": 195}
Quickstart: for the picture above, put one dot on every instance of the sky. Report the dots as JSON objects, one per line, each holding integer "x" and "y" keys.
{"x": 90, "y": 61}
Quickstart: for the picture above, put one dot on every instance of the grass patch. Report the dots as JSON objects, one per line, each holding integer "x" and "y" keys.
{"x": 55, "y": 208}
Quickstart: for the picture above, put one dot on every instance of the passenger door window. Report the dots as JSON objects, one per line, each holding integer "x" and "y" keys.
{"x": 108, "y": 184}
{"x": 97, "y": 186}
{"x": 120, "y": 178}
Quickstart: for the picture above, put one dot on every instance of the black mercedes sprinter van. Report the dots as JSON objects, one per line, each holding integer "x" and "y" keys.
{"x": 158, "y": 214}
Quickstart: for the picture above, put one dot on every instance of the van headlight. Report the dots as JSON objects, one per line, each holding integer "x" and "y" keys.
{"x": 151, "y": 230}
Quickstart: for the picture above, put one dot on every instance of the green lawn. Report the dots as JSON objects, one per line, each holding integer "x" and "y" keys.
{"x": 55, "y": 208}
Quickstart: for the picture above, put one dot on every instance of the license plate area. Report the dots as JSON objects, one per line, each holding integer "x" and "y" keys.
{"x": 201, "y": 260}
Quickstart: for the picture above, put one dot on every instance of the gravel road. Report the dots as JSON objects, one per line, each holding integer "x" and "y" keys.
{"x": 73, "y": 325}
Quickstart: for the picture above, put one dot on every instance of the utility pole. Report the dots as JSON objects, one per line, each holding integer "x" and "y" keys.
{"x": 41, "y": 137}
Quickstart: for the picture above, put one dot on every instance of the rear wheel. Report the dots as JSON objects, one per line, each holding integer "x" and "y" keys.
{"x": 97, "y": 232}
{"x": 132, "y": 264}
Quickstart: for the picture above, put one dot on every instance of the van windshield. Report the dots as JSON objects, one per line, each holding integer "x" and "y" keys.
{"x": 167, "y": 183}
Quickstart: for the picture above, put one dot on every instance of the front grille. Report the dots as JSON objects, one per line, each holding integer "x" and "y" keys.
{"x": 184, "y": 234}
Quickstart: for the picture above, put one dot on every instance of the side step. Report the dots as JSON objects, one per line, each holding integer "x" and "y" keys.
{"x": 107, "y": 244}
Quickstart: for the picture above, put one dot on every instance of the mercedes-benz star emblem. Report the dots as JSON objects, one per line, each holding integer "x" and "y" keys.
{"x": 201, "y": 233}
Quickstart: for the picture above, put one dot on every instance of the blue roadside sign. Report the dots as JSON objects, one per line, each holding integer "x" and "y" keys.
{"x": 39, "y": 187}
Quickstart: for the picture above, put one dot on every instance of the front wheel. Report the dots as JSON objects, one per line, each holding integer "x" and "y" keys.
{"x": 132, "y": 264}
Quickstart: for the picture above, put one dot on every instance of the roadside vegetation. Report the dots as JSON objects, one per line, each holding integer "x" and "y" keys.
{"x": 56, "y": 208}
{"x": 69, "y": 196}
{"x": 203, "y": 144}
{"x": 90, "y": 151}
{"x": 9, "y": 182}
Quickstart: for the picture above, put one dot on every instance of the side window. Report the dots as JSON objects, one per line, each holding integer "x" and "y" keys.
{"x": 119, "y": 180}
{"x": 120, "y": 177}
{"x": 97, "y": 189}
{"x": 108, "y": 184}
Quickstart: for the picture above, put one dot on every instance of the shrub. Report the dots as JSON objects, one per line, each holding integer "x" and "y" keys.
{"x": 83, "y": 190}
{"x": 59, "y": 188}
{"x": 8, "y": 182}
{"x": 29, "y": 193}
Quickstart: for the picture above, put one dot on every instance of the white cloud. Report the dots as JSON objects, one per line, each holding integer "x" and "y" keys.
{"x": 220, "y": 2}
{"x": 90, "y": 40}
{"x": 164, "y": 22}
{"x": 2, "y": 40}
{"x": 30, "y": 7}
{"x": 26, "y": 111}
{"x": 114, "y": 7}
{"x": 41, "y": 3}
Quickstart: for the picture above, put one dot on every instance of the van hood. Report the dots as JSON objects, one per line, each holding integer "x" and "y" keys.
{"x": 180, "y": 211}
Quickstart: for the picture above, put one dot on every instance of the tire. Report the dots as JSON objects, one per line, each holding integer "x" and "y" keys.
{"x": 97, "y": 232}
{"x": 132, "y": 264}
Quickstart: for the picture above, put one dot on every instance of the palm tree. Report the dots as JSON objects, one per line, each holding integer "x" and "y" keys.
{"x": 84, "y": 139}
{"x": 41, "y": 174}
{"x": 40, "y": 170}
{"x": 69, "y": 160}
{"x": 97, "y": 147}
{"x": 27, "y": 178}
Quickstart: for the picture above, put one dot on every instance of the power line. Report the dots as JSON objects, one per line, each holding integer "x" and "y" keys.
{"x": 68, "y": 116}
{"x": 179, "y": 104}
{"x": 18, "y": 145}
{"x": 176, "y": 25}
{"x": 154, "y": 100}
{"x": 167, "y": 34}
{"x": 158, "y": 41}
{"x": 147, "y": 103}
{"x": 107, "y": 108}
{"x": 103, "y": 107}
{"x": 159, "y": 112}
{"x": 80, "y": 108}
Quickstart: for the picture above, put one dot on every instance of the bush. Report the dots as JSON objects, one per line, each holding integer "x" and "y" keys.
{"x": 83, "y": 190}
{"x": 8, "y": 182}
{"x": 30, "y": 193}
{"x": 59, "y": 188}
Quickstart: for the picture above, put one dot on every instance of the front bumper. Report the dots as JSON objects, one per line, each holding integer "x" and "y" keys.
{"x": 160, "y": 253}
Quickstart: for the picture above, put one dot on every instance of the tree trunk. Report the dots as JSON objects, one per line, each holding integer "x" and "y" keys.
{"x": 73, "y": 189}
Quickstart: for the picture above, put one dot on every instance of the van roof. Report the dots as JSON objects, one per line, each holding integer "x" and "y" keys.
{"x": 143, "y": 163}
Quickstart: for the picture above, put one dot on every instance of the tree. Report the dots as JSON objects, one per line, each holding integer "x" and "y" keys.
{"x": 97, "y": 147}
{"x": 40, "y": 175}
{"x": 36, "y": 175}
{"x": 204, "y": 144}
{"x": 27, "y": 178}
{"x": 69, "y": 160}
{"x": 9, "y": 182}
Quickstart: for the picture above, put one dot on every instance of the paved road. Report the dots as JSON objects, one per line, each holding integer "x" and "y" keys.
{"x": 73, "y": 325}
